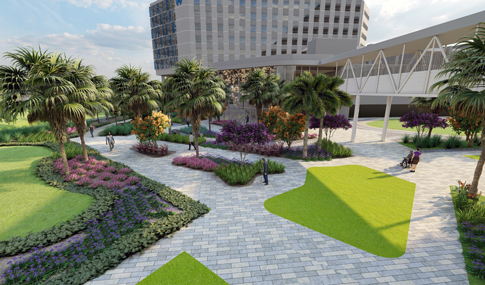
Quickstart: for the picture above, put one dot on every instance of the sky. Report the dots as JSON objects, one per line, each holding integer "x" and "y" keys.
{"x": 110, "y": 33}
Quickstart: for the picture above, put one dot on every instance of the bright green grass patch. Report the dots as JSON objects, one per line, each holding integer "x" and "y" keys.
{"x": 476, "y": 157}
{"x": 20, "y": 122}
{"x": 394, "y": 124}
{"x": 183, "y": 269}
{"x": 360, "y": 206}
{"x": 27, "y": 204}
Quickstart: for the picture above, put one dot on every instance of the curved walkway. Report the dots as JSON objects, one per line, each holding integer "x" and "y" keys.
{"x": 245, "y": 244}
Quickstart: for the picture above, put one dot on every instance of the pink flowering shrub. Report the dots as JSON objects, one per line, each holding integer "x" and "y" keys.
{"x": 102, "y": 163}
{"x": 116, "y": 184}
{"x": 196, "y": 163}
{"x": 87, "y": 167}
{"x": 98, "y": 168}
{"x": 72, "y": 178}
{"x": 71, "y": 130}
{"x": 79, "y": 171}
{"x": 78, "y": 157}
{"x": 124, "y": 170}
{"x": 132, "y": 180}
{"x": 84, "y": 181}
{"x": 310, "y": 136}
{"x": 91, "y": 174}
{"x": 106, "y": 176}
{"x": 120, "y": 177}
{"x": 99, "y": 183}
{"x": 110, "y": 169}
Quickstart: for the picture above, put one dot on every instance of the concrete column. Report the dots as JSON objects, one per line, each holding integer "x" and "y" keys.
{"x": 356, "y": 118}
{"x": 386, "y": 118}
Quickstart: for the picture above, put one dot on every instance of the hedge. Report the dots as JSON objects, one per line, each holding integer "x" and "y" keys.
{"x": 125, "y": 245}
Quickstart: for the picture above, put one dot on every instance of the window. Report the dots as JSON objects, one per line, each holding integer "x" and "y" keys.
{"x": 231, "y": 39}
{"x": 209, "y": 38}
{"x": 253, "y": 16}
{"x": 242, "y": 40}
{"x": 335, "y": 31}
{"x": 263, "y": 40}
{"x": 363, "y": 36}
{"x": 316, "y": 19}
{"x": 242, "y": 3}
{"x": 197, "y": 26}
{"x": 196, "y": 2}
{"x": 296, "y": 17}
{"x": 315, "y": 31}
{"x": 286, "y": 4}
{"x": 317, "y": 7}
{"x": 219, "y": 2}
{"x": 197, "y": 14}
{"x": 346, "y": 20}
{"x": 275, "y": 3}
{"x": 365, "y": 26}
{"x": 275, "y": 28}
{"x": 198, "y": 39}
{"x": 273, "y": 52}
{"x": 220, "y": 38}
{"x": 325, "y": 31}
{"x": 337, "y": 7}
{"x": 296, "y": 5}
{"x": 305, "y": 30}
{"x": 275, "y": 16}
{"x": 295, "y": 30}
{"x": 263, "y": 29}
{"x": 345, "y": 32}
{"x": 253, "y": 3}
{"x": 294, "y": 42}
{"x": 306, "y": 5}
{"x": 253, "y": 29}
{"x": 283, "y": 51}
{"x": 347, "y": 8}
{"x": 327, "y": 7}
{"x": 264, "y": 16}
{"x": 285, "y": 29}
{"x": 220, "y": 27}
{"x": 209, "y": 27}
{"x": 355, "y": 32}
{"x": 336, "y": 19}
{"x": 293, "y": 51}
{"x": 253, "y": 40}
{"x": 263, "y": 53}
{"x": 326, "y": 19}
{"x": 264, "y": 3}
{"x": 366, "y": 15}
{"x": 304, "y": 42}
{"x": 231, "y": 27}
{"x": 357, "y": 8}
{"x": 208, "y": 2}
{"x": 242, "y": 28}
{"x": 356, "y": 20}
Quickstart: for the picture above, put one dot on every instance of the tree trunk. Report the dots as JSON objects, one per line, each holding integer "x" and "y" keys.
{"x": 58, "y": 128}
{"x": 478, "y": 172}
{"x": 97, "y": 116}
{"x": 470, "y": 142}
{"x": 259, "y": 110}
{"x": 319, "y": 141}
{"x": 124, "y": 119}
{"x": 116, "y": 120}
{"x": 169, "y": 124}
{"x": 210, "y": 118}
{"x": 305, "y": 136}
{"x": 195, "y": 119}
{"x": 68, "y": 139}
{"x": 430, "y": 130}
{"x": 81, "y": 129}
{"x": 64, "y": 158}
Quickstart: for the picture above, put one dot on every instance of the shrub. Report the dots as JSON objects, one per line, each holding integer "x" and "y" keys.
{"x": 270, "y": 118}
{"x": 72, "y": 150}
{"x": 176, "y": 120}
{"x": 422, "y": 122}
{"x": 214, "y": 144}
{"x": 436, "y": 140}
{"x": 223, "y": 160}
{"x": 132, "y": 180}
{"x": 149, "y": 128}
{"x": 236, "y": 173}
{"x": 243, "y": 134}
{"x": 406, "y": 138}
{"x": 470, "y": 124}
{"x": 118, "y": 130}
{"x": 194, "y": 162}
{"x": 452, "y": 141}
{"x": 187, "y": 130}
{"x": 331, "y": 123}
{"x": 178, "y": 138}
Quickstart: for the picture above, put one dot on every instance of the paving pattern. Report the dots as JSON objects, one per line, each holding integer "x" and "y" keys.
{"x": 245, "y": 244}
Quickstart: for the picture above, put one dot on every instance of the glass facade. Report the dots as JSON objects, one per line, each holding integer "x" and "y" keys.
{"x": 164, "y": 36}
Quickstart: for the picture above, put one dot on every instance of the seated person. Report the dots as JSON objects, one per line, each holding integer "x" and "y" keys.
{"x": 410, "y": 155}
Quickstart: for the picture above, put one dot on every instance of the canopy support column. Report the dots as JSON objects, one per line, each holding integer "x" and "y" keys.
{"x": 356, "y": 118}
{"x": 386, "y": 118}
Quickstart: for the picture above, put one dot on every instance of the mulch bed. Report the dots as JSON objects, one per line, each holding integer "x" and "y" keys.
{"x": 170, "y": 152}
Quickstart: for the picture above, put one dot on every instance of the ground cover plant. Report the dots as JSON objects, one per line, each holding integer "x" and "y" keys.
{"x": 118, "y": 130}
{"x": 436, "y": 142}
{"x": 178, "y": 138}
{"x": 28, "y": 205}
{"x": 214, "y": 144}
{"x": 203, "y": 130}
{"x": 327, "y": 152}
{"x": 375, "y": 217}
{"x": 121, "y": 235}
{"x": 14, "y": 133}
{"x": 183, "y": 269}
{"x": 476, "y": 157}
{"x": 232, "y": 171}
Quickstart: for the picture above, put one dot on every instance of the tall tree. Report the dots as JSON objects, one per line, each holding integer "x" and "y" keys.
{"x": 332, "y": 98}
{"x": 426, "y": 105}
{"x": 464, "y": 89}
{"x": 134, "y": 91}
{"x": 197, "y": 90}
{"x": 303, "y": 95}
{"x": 260, "y": 89}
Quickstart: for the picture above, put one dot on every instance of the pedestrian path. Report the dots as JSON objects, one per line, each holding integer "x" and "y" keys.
{"x": 245, "y": 244}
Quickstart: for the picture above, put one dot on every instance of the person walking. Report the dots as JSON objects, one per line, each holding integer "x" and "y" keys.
{"x": 111, "y": 141}
{"x": 91, "y": 130}
{"x": 247, "y": 119}
{"x": 415, "y": 160}
{"x": 265, "y": 171}
{"x": 191, "y": 141}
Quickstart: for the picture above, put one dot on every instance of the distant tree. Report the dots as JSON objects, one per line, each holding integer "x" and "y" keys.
{"x": 422, "y": 122}
{"x": 470, "y": 124}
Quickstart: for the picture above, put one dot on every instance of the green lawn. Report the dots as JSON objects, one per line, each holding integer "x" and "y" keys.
{"x": 476, "y": 157}
{"x": 21, "y": 122}
{"x": 183, "y": 269}
{"x": 360, "y": 206}
{"x": 27, "y": 204}
{"x": 394, "y": 124}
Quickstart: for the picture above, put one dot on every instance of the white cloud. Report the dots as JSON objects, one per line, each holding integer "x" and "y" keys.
{"x": 106, "y": 47}
{"x": 390, "y": 8}
{"x": 104, "y": 4}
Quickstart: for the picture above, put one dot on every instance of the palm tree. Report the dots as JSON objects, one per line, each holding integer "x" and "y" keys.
{"x": 304, "y": 95}
{"x": 333, "y": 98}
{"x": 134, "y": 91}
{"x": 197, "y": 90}
{"x": 260, "y": 89}
{"x": 167, "y": 97}
{"x": 464, "y": 89}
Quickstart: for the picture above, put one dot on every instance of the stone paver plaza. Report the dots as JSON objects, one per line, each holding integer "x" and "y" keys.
{"x": 245, "y": 244}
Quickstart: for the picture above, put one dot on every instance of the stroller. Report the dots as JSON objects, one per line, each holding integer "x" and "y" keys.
{"x": 406, "y": 162}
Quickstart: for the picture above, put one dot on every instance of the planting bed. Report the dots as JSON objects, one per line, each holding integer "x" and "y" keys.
{"x": 152, "y": 148}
